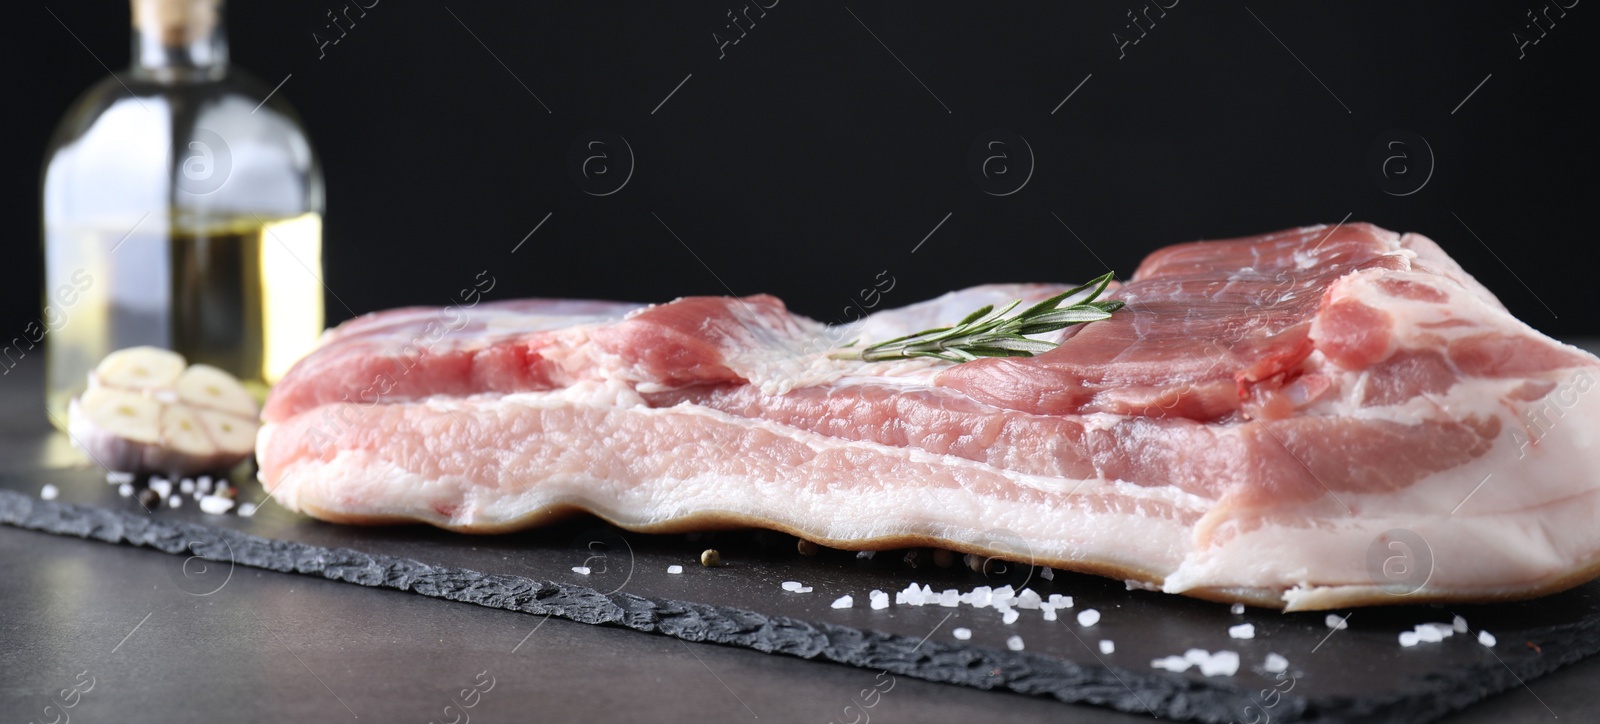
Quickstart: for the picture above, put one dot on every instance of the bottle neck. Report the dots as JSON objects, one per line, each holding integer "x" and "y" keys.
{"x": 176, "y": 40}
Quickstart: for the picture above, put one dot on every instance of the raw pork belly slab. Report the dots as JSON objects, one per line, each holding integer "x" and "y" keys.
{"x": 1316, "y": 418}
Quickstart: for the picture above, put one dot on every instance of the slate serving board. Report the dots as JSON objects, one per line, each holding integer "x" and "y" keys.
{"x": 1359, "y": 673}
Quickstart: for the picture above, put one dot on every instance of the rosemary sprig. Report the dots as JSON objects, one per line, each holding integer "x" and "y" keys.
{"x": 988, "y": 332}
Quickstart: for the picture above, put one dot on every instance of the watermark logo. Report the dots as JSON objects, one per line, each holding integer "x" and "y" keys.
{"x": 600, "y": 162}
{"x": 205, "y": 572}
{"x": 1001, "y": 162}
{"x": 205, "y": 164}
{"x": 1400, "y": 162}
{"x": 1008, "y": 556}
{"x": 605, "y": 557}
{"x": 1399, "y": 562}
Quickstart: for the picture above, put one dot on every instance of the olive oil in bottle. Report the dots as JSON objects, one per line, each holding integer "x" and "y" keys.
{"x": 182, "y": 208}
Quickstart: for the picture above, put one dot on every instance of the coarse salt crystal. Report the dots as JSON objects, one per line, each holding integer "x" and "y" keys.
{"x": 215, "y": 504}
{"x": 186, "y": 486}
{"x": 1047, "y": 574}
{"x": 175, "y": 501}
{"x": 581, "y": 570}
{"x": 791, "y": 585}
{"x": 1107, "y": 646}
{"x": 125, "y": 489}
{"x": 1275, "y": 664}
{"x": 1014, "y": 643}
{"x": 1049, "y": 612}
{"x": 1003, "y": 593}
{"x": 879, "y": 600}
{"x": 1059, "y": 601}
{"x": 1171, "y": 663}
{"x": 1242, "y": 631}
{"x": 866, "y": 554}
{"x": 162, "y": 487}
{"x": 950, "y": 598}
{"x": 1221, "y": 663}
{"x": 1088, "y": 617}
{"x": 1237, "y": 609}
{"x": 982, "y": 596}
{"x": 1459, "y": 624}
{"x": 803, "y": 589}
{"x": 1010, "y": 616}
{"x": 962, "y": 634}
{"x": 1196, "y": 656}
{"x": 674, "y": 569}
{"x": 49, "y": 492}
{"x": 1408, "y": 638}
{"x": 1486, "y": 638}
{"x": 844, "y": 602}
{"x": 1028, "y": 599}
{"x": 1335, "y": 622}
{"x": 1445, "y": 630}
{"x": 247, "y": 510}
{"x": 203, "y": 482}
{"x": 1428, "y": 634}
{"x": 116, "y": 478}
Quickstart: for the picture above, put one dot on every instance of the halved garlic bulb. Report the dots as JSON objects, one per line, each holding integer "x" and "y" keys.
{"x": 145, "y": 411}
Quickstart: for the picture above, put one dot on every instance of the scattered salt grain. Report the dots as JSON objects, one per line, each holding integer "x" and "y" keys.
{"x": 675, "y": 569}
{"x": 844, "y": 602}
{"x": 1027, "y": 599}
{"x": 125, "y": 489}
{"x": 1427, "y": 634}
{"x": 581, "y": 570}
{"x": 1237, "y": 609}
{"x": 161, "y": 486}
{"x": 1486, "y": 638}
{"x": 791, "y": 585}
{"x": 866, "y": 554}
{"x": 1445, "y": 630}
{"x": 117, "y": 478}
{"x": 1335, "y": 622}
{"x": 1221, "y": 663}
{"x": 49, "y": 492}
{"x": 1170, "y": 663}
{"x": 1242, "y": 631}
{"x": 1049, "y": 612}
{"x": 247, "y": 510}
{"x": 1010, "y": 616}
{"x": 1059, "y": 601}
{"x": 203, "y": 483}
{"x": 1107, "y": 646}
{"x": 962, "y": 634}
{"x": 1196, "y": 656}
{"x": 982, "y": 596}
{"x": 803, "y": 589}
{"x": 215, "y": 504}
{"x": 950, "y": 598}
{"x": 1088, "y": 617}
{"x": 879, "y": 600}
{"x": 175, "y": 501}
{"x": 1014, "y": 643}
{"x": 1047, "y": 574}
{"x": 1408, "y": 638}
{"x": 1459, "y": 624}
{"x": 186, "y": 486}
{"x": 1275, "y": 664}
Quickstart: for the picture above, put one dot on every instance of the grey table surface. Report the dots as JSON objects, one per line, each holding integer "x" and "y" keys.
{"x": 97, "y": 633}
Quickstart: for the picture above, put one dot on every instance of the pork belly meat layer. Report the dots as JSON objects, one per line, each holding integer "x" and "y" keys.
{"x": 1270, "y": 419}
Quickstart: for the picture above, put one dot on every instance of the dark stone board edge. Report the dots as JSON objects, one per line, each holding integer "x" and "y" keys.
{"x": 1163, "y": 695}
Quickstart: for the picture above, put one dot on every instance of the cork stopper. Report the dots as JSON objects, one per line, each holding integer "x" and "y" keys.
{"x": 176, "y": 23}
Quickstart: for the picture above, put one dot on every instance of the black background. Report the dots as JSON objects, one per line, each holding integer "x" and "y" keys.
{"x": 807, "y": 160}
